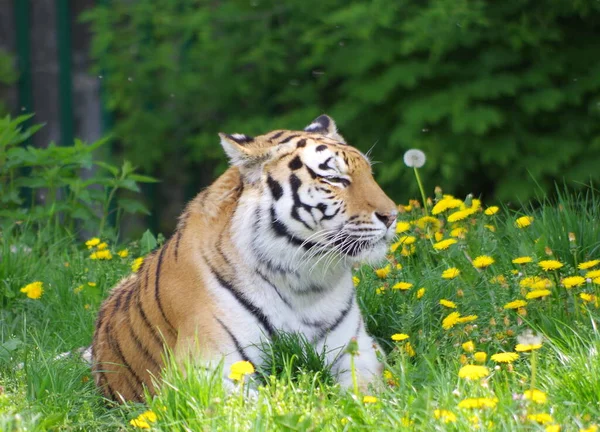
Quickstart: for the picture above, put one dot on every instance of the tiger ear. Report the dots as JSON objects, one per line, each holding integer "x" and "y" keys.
{"x": 245, "y": 153}
{"x": 325, "y": 126}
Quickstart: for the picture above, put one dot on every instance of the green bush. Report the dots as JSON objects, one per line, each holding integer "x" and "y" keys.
{"x": 57, "y": 186}
{"x": 493, "y": 92}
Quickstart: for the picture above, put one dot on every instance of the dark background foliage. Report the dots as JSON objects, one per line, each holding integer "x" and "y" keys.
{"x": 504, "y": 97}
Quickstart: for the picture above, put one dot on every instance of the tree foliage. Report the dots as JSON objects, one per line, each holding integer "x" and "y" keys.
{"x": 496, "y": 93}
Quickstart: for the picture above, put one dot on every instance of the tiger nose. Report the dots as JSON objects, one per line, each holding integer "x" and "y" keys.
{"x": 387, "y": 218}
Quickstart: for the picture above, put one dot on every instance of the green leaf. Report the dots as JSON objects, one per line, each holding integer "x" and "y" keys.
{"x": 132, "y": 206}
{"x": 148, "y": 243}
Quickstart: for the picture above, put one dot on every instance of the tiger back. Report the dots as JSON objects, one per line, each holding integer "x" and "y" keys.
{"x": 269, "y": 246}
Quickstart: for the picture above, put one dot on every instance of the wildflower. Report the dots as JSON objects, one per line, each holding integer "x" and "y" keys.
{"x": 438, "y": 236}
{"x": 92, "y": 242}
{"x": 466, "y": 319}
{"x": 596, "y": 281}
{"x": 137, "y": 263}
{"x": 515, "y": 304}
{"x": 383, "y": 272}
{"x": 592, "y": 274}
{"x": 553, "y": 428}
{"x": 239, "y": 369}
{"x": 124, "y": 253}
{"x": 468, "y": 346}
{"x": 420, "y": 293}
{"x": 536, "y": 283}
{"x": 527, "y": 347}
{"x": 541, "y": 418}
{"x": 447, "y": 202}
{"x": 444, "y": 415}
{"x": 380, "y": 290}
{"x": 408, "y": 348}
{"x": 478, "y": 403}
{"x": 398, "y": 266}
{"x": 450, "y": 321}
{"x": 500, "y": 279}
{"x": 492, "y": 228}
{"x": 505, "y": 357}
{"x": 536, "y": 396}
{"x": 549, "y": 265}
{"x": 537, "y": 294}
{"x": 355, "y": 280}
{"x": 522, "y": 260}
{"x": 592, "y": 428}
{"x": 407, "y": 240}
{"x": 460, "y": 215}
{"x": 483, "y": 261}
{"x": 473, "y": 372}
{"x": 524, "y": 221}
{"x": 402, "y": 227}
{"x": 143, "y": 420}
{"x": 400, "y": 336}
{"x": 389, "y": 377}
{"x": 458, "y": 232}
{"x": 92, "y": 284}
{"x": 448, "y": 303}
{"x": 102, "y": 246}
{"x": 101, "y": 255}
{"x": 480, "y": 357}
{"x": 588, "y": 264}
{"x": 402, "y": 286}
{"x": 444, "y": 244}
{"x": 369, "y": 399}
{"x": 78, "y": 289}
{"x": 587, "y": 297}
{"x": 490, "y": 211}
{"x": 450, "y": 273}
{"x": 573, "y": 281}
{"x": 33, "y": 290}
{"x": 408, "y": 251}
{"x": 414, "y": 158}
{"x": 428, "y": 222}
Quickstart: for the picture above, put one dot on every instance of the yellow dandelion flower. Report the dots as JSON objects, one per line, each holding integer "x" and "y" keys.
{"x": 92, "y": 284}
{"x": 591, "y": 428}
{"x": 420, "y": 293}
{"x": 588, "y": 264}
{"x": 515, "y": 304}
{"x": 448, "y": 303}
{"x": 483, "y": 261}
{"x": 450, "y": 273}
{"x": 573, "y": 281}
{"x": 466, "y": 319}
{"x": 143, "y": 420}
{"x": 478, "y": 403}
{"x": 407, "y": 240}
{"x": 522, "y": 260}
{"x": 450, "y": 321}
{"x": 440, "y": 207}
{"x": 92, "y": 242}
{"x": 444, "y": 244}
{"x": 408, "y": 348}
{"x": 527, "y": 347}
{"x": 104, "y": 255}
{"x": 473, "y": 372}
{"x": 102, "y": 246}
{"x": 239, "y": 369}
{"x": 383, "y": 272}
{"x": 444, "y": 415}
{"x": 505, "y": 357}
{"x": 596, "y": 281}
{"x": 480, "y": 357}
{"x": 428, "y": 222}
{"x": 402, "y": 227}
{"x": 537, "y": 294}
{"x": 536, "y": 396}
{"x": 78, "y": 289}
{"x": 399, "y": 337}
{"x": 541, "y": 284}
{"x": 458, "y": 232}
{"x": 524, "y": 221}
{"x": 137, "y": 263}
{"x": 500, "y": 279}
{"x": 380, "y": 290}
{"x": 438, "y": 236}
{"x": 389, "y": 378}
{"x": 34, "y": 290}
{"x": 468, "y": 346}
{"x": 408, "y": 250}
{"x": 402, "y": 286}
{"x": 490, "y": 211}
{"x": 542, "y": 418}
{"x": 549, "y": 265}
{"x": 369, "y": 399}
{"x": 460, "y": 215}
{"x": 492, "y": 228}
{"x": 123, "y": 253}
{"x": 592, "y": 274}
{"x": 553, "y": 428}
{"x": 93, "y": 256}
{"x": 587, "y": 297}
{"x": 355, "y": 280}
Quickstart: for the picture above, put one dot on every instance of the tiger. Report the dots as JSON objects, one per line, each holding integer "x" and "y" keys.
{"x": 269, "y": 247}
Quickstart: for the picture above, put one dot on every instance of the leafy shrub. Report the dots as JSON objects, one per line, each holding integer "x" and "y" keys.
{"x": 493, "y": 92}
{"x": 60, "y": 183}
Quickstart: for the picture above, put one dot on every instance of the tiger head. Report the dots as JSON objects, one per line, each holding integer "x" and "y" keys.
{"x": 312, "y": 191}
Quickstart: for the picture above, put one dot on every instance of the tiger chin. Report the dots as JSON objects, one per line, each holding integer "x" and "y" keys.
{"x": 268, "y": 247}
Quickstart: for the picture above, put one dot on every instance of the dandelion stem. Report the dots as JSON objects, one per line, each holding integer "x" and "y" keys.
{"x": 422, "y": 191}
{"x": 354, "y": 378}
{"x": 533, "y": 369}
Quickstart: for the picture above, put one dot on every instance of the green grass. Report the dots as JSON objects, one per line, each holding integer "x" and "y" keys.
{"x": 295, "y": 388}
